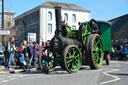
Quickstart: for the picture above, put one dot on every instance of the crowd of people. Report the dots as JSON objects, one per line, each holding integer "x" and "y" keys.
{"x": 25, "y": 56}
{"x": 119, "y": 49}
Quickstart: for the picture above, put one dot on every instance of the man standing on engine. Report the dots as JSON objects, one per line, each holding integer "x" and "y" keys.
{"x": 94, "y": 26}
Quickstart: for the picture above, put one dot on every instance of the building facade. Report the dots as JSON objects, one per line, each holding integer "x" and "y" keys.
{"x": 8, "y": 19}
{"x": 119, "y": 29}
{"x": 41, "y": 20}
{"x": 8, "y": 22}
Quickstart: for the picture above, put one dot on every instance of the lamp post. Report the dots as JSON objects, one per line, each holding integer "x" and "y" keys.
{"x": 3, "y": 20}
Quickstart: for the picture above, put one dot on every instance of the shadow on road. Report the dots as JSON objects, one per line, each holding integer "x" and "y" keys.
{"x": 120, "y": 74}
{"x": 57, "y": 70}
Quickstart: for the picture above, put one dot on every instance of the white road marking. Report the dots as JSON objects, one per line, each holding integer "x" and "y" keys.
{"x": 1, "y": 78}
{"x": 5, "y": 81}
{"x": 11, "y": 77}
{"x": 22, "y": 75}
{"x": 107, "y": 73}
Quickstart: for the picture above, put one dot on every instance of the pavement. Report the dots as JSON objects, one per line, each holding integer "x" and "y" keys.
{"x": 4, "y": 70}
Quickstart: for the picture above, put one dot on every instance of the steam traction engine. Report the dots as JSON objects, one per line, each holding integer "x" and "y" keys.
{"x": 70, "y": 51}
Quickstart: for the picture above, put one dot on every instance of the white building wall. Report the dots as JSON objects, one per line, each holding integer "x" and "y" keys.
{"x": 80, "y": 17}
{"x": 41, "y": 25}
{"x": 50, "y": 35}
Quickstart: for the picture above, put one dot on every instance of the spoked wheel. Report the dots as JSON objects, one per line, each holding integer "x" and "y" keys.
{"x": 72, "y": 58}
{"x": 85, "y": 30}
{"x": 46, "y": 60}
{"x": 95, "y": 51}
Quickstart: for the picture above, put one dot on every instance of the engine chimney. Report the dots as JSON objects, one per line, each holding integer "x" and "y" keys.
{"x": 58, "y": 21}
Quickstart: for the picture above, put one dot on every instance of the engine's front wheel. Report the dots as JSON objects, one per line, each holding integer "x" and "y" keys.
{"x": 72, "y": 58}
{"x": 46, "y": 60}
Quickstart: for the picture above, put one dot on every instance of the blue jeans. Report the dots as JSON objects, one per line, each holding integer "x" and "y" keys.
{"x": 30, "y": 60}
{"x": 10, "y": 59}
{"x": 1, "y": 60}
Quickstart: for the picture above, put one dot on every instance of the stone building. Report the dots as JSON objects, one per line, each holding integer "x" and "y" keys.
{"x": 119, "y": 27}
{"x": 41, "y": 20}
{"x": 8, "y": 22}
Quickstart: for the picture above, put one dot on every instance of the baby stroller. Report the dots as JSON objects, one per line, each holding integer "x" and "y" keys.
{"x": 20, "y": 61}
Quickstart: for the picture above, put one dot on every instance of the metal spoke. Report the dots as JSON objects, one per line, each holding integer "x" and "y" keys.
{"x": 69, "y": 61}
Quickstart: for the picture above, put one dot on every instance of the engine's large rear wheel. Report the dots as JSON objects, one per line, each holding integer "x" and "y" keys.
{"x": 94, "y": 51}
{"x": 85, "y": 31}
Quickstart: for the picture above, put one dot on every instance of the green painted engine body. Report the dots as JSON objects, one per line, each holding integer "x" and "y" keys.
{"x": 105, "y": 33}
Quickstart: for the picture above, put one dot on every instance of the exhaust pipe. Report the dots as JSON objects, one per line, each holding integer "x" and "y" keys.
{"x": 58, "y": 31}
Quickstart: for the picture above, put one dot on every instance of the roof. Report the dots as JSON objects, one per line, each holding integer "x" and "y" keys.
{"x": 63, "y": 5}
{"x": 119, "y": 22}
{"x": 7, "y": 11}
{"x": 118, "y": 17}
{"x": 53, "y": 4}
{"x": 105, "y": 22}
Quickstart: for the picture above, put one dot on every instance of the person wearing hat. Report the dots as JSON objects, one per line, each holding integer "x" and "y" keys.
{"x": 94, "y": 26}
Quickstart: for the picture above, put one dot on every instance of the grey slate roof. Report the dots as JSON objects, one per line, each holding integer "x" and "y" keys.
{"x": 64, "y": 6}
{"x": 120, "y": 21}
{"x": 52, "y": 5}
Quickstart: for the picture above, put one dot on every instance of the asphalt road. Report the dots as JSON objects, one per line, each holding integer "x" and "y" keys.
{"x": 114, "y": 74}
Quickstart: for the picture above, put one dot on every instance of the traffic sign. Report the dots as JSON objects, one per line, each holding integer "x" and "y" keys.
{"x": 32, "y": 37}
{"x": 5, "y": 32}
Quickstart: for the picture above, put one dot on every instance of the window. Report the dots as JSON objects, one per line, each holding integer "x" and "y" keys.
{"x": 66, "y": 17}
{"x": 73, "y": 18}
{"x": 49, "y": 28}
{"x": 73, "y": 27}
{"x": 49, "y": 16}
{"x": 9, "y": 24}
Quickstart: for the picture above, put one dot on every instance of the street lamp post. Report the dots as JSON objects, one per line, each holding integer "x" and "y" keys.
{"x": 2, "y": 20}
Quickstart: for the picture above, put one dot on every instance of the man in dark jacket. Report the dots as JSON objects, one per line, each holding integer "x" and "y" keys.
{"x": 94, "y": 26}
{"x": 11, "y": 50}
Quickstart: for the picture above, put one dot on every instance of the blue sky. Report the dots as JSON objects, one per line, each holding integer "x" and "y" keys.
{"x": 100, "y": 9}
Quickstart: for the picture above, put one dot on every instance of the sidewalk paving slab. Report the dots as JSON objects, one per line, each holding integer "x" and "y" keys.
{"x": 6, "y": 71}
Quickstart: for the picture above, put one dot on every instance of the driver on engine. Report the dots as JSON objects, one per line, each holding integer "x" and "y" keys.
{"x": 94, "y": 26}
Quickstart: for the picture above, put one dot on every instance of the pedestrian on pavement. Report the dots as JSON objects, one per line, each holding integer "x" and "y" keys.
{"x": 30, "y": 53}
{"x": 19, "y": 49}
{"x": 22, "y": 57}
{"x": 11, "y": 50}
{"x": 126, "y": 51}
{"x": 24, "y": 51}
{"x": 35, "y": 46}
{"x": 2, "y": 49}
{"x": 42, "y": 45}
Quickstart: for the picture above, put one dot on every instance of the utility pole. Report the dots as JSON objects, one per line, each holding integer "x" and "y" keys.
{"x": 3, "y": 20}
